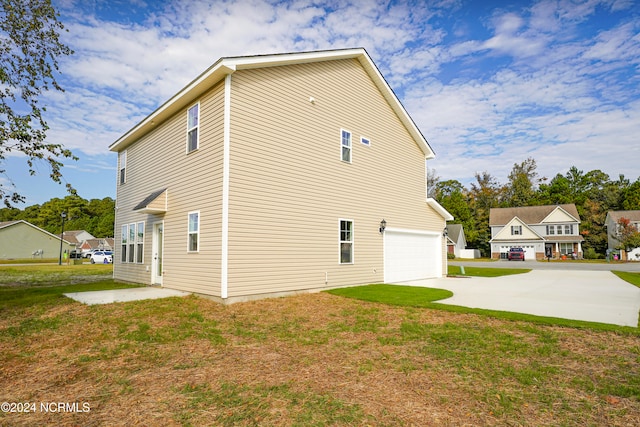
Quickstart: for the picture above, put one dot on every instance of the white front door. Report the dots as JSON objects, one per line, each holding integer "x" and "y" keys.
{"x": 156, "y": 248}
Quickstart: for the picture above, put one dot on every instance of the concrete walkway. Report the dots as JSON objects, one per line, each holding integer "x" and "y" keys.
{"x": 123, "y": 295}
{"x": 594, "y": 296}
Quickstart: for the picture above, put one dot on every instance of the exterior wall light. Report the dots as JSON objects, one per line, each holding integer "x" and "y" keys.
{"x": 383, "y": 225}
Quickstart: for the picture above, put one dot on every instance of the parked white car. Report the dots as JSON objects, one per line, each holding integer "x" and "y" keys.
{"x": 102, "y": 257}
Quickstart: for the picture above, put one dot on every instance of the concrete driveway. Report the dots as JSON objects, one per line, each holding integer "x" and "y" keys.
{"x": 594, "y": 296}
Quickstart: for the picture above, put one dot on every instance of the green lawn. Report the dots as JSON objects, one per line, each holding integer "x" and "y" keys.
{"x": 397, "y": 359}
{"x": 454, "y": 270}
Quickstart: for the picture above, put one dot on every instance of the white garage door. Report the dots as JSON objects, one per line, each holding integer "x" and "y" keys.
{"x": 411, "y": 254}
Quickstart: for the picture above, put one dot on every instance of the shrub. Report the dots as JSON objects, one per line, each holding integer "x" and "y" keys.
{"x": 591, "y": 253}
{"x": 451, "y": 256}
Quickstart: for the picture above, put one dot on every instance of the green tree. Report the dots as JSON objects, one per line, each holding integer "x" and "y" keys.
{"x": 29, "y": 52}
{"x": 452, "y": 196}
{"x": 557, "y": 191}
{"x": 630, "y": 197}
{"x": 523, "y": 184}
{"x": 485, "y": 194}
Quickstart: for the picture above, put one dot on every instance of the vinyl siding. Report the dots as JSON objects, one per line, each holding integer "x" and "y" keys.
{"x": 289, "y": 188}
{"x": 193, "y": 181}
{"x": 20, "y": 240}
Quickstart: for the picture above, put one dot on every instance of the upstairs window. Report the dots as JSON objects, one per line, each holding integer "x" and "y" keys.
{"x": 365, "y": 141}
{"x": 559, "y": 229}
{"x": 194, "y": 231}
{"x": 516, "y": 230}
{"x": 346, "y": 242}
{"x": 193, "y": 118}
{"x": 123, "y": 165}
{"x": 551, "y": 230}
{"x": 345, "y": 143}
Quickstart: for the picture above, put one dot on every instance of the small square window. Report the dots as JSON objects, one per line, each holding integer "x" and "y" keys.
{"x": 516, "y": 230}
{"x": 365, "y": 141}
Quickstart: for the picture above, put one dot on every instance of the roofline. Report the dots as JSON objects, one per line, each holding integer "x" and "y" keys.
{"x": 225, "y": 66}
{"x": 37, "y": 228}
{"x": 440, "y": 209}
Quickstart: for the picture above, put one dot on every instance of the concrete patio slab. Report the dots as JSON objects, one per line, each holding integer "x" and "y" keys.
{"x": 123, "y": 295}
{"x": 593, "y": 296}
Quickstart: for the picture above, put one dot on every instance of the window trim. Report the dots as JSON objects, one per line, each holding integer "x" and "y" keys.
{"x": 341, "y": 242}
{"x": 196, "y": 127}
{"x": 196, "y": 232}
{"x": 516, "y": 228}
{"x": 344, "y": 132}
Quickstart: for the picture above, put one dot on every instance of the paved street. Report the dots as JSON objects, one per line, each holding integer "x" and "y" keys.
{"x": 543, "y": 265}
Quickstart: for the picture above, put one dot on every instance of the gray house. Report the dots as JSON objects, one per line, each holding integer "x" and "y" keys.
{"x": 611, "y": 222}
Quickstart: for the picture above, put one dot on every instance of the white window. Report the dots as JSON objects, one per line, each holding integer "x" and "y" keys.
{"x": 139, "y": 242}
{"x": 132, "y": 242}
{"x": 568, "y": 229}
{"x": 365, "y": 141}
{"x": 123, "y": 244}
{"x": 551, "y": 230}
{"x": 345, "y": 143}
{"x": 194, "y": 231}
{"x": 559, "y": 229}
{"x": 123, "y": 166}
{"x": 193, "y": 118}
{"x": 346, "y": 241}
{"x": 516, "y": 230}
{"x": 566, "y": 248}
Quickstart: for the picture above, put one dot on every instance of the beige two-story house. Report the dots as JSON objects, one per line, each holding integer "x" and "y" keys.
{"x": 550, "y": 230}
{"x": 275, "y": 174}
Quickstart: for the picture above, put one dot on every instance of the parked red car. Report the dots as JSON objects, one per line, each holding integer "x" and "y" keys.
{"x": 516, "y": 254}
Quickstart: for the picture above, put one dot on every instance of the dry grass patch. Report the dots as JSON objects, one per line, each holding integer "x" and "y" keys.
{"x": 313, "y": 359}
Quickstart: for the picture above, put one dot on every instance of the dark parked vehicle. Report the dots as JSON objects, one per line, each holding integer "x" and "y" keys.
{"x": 75, "y": 254}
{"x": 516, "y": 254}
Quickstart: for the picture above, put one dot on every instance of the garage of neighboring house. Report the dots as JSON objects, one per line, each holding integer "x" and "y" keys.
{"x": 529, "y": 251}
{"x": 411, "y": 255}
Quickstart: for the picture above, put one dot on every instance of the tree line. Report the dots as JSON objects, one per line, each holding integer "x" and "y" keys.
{"x": 95, "y": 216}
{"x": 594, "y": 193}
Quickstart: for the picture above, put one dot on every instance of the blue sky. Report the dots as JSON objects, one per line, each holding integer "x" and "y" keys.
{"x": 489, "y": 83}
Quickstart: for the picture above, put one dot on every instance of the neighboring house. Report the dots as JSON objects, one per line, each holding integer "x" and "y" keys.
{"x": 611, "y": 223}
{"x": 21, "y": 239}
{"x": 551, "y": 230}
{"x": 76, "y": 236}
{"x": 456, "y": 237}
{"x": 97, "y": 244}
{"x": 275, "y": 174}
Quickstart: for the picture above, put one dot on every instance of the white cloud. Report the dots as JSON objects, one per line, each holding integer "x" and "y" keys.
{"x": 531, "y": 84}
